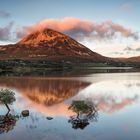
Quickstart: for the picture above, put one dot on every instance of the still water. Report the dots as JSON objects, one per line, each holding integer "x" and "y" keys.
{"x": 116, "y": 97}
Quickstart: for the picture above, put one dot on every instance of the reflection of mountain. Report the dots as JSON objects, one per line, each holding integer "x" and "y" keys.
{"x": 109, "y": 95}
{"x": 45, "y": 91}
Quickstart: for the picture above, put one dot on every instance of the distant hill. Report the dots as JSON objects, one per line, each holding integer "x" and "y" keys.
{"x": 135, "y": 59}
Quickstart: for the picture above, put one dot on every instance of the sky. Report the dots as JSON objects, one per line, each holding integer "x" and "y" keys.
{"x": 109, "y": 27}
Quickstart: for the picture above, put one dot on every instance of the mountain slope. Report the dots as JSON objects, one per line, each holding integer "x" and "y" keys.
{"x": 51, "y": 45}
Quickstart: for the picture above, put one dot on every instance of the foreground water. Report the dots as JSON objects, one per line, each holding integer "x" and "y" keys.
{"x": 116, "y": 96}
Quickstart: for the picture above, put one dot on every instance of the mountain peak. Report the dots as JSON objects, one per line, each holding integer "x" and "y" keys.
{"x": 40, "y": 36}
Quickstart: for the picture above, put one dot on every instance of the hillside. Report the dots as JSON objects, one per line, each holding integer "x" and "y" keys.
{"x": 48, "y": 44}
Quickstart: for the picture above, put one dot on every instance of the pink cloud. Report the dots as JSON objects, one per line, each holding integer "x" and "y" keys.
{"x": 80, "y": 29}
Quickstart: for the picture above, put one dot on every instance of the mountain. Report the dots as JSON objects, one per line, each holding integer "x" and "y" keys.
{"x": 48, "y": 49}
{"x": 48, "y": 44}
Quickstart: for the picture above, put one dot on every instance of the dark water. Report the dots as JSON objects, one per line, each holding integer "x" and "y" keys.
{"x": 116, "y": 97}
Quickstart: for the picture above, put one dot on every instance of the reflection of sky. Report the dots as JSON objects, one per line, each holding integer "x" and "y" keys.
{"x": 118, "y": 95}
{"x": 110, "y": 95}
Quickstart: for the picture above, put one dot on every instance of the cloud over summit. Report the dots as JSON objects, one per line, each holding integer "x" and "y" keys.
{"x": 80, "y": 29}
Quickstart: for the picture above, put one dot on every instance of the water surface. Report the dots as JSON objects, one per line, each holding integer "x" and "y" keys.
{"x": 116, "y": 97}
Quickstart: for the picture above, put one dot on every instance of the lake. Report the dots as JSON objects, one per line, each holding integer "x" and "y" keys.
{"x": 116, "y": 97}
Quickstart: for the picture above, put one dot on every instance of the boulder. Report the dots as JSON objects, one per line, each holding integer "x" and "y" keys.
{"x": 25, "y": 113}
{"x": 49, "y": 118}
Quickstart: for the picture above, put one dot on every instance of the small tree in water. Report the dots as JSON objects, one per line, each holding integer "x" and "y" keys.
{"x": 7, "y": 97}
{"x": 82, "y": 107}
{"x": 86, "y": 111}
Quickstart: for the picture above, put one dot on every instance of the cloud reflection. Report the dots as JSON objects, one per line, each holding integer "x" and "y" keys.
{"x": 111, "y": 96}
{"x": 53, "y": 96}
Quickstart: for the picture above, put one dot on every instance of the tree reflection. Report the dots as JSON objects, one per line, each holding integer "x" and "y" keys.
{"x": 86, "y": 112}
{"x": 7, "y": 122}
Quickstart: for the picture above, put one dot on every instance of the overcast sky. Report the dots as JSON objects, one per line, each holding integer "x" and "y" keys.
{"x": 110, "y": 27}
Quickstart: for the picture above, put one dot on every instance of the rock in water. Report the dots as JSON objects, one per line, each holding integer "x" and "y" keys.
{"x": 25, "y": 113}
{"x": 49, "y": 118}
